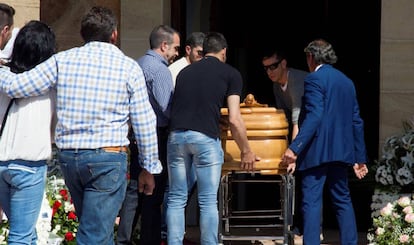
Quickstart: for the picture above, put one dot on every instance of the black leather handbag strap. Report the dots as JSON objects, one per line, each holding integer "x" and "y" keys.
{"x": 5, "y": 116}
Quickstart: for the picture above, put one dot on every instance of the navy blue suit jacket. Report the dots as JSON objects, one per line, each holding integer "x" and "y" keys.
{"x": 330, "y": 127}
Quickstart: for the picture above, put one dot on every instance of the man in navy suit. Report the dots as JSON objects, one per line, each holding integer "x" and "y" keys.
{"x": 330, "y": 140}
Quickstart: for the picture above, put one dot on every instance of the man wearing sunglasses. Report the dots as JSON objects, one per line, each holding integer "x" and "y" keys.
{"x": 288, "y": 87}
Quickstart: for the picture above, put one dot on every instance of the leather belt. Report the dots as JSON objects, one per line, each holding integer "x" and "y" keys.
{"x": 115, "y": 149}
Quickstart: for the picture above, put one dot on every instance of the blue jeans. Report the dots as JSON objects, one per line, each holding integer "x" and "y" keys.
{"x": 191, "y": 183}
{"x": 22, "y": 184}
{"x": 186, "y": 147}
{"x": 97, "y": 183}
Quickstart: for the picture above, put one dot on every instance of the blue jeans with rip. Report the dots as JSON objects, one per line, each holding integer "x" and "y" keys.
{"x": 22, "y": 184}
{"x": 186, "y": 147}
{"x": 97, "y": 183}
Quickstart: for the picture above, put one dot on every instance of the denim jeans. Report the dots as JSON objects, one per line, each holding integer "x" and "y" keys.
{"x": 192, "y": 178}
{"x": 186, "y": 147}
{"x": 97, "y": 183}
{"x": 22, "y": 184}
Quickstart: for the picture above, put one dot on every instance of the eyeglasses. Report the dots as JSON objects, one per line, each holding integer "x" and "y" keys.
{"x": 200, "y": 52}
{"x": 273, "y": 66}
{"x": 177, "y": 48}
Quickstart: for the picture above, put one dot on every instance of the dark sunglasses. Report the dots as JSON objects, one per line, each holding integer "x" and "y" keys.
{"x": 272, "y": 66}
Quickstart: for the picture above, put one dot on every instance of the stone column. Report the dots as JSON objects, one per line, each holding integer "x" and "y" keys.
{"x": 396, "y": 66}
{"x": 138, "y": 18}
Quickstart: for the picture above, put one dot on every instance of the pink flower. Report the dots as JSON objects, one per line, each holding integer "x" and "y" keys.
{"x": 409, "y": 218}
{"x": 408, "y": 210}
{"x": 387, "y": 210}
{"x": 404, "y": 238}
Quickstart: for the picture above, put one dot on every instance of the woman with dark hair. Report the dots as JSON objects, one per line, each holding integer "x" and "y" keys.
{"x": 26, "y": 138}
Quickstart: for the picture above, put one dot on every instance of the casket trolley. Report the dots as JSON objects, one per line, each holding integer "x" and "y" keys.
{"x": 267, "y": 131}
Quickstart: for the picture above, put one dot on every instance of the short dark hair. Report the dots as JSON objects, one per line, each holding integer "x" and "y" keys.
{"x": 273, "y": 51}
{"x": 98, "y": 25}
{"x": 195, "y": 39}
{"x": 162, "y": 33}
{"x": 6, "y": 15}
{"x": 214, "y": 42}
{"x": 34, "y": 43}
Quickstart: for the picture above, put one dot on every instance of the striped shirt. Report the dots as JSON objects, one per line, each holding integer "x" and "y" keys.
{"x": 159, "y": 83}
{"x": 99, "y": 91}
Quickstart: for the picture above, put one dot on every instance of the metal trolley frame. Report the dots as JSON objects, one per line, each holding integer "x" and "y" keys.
{"x": 278, "y": 221}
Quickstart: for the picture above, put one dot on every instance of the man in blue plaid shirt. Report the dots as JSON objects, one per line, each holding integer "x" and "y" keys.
{"x": 100, "y": 91}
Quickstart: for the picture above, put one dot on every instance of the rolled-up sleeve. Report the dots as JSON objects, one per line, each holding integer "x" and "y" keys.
{"x": 143, "y": 122}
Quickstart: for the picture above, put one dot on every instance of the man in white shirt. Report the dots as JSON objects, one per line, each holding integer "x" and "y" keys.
{"x": 193, "y": 53}
{"x": 6, "y": 52}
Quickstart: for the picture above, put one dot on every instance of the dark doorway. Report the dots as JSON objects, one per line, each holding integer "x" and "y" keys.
{"x": 352, "y": 27}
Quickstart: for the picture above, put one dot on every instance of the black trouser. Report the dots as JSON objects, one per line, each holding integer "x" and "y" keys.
{"x": 151, "y": 205}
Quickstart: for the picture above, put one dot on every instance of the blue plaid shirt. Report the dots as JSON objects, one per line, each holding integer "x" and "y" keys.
{"x": 99, "y": 91}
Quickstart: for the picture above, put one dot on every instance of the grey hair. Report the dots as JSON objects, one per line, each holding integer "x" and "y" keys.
{"x": 322, "y": 52}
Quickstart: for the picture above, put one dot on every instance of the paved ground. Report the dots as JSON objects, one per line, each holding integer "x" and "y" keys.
{"x": 331, "y": 237}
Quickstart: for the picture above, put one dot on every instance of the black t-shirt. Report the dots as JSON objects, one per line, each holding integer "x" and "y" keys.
{"x": 200, "y": 92}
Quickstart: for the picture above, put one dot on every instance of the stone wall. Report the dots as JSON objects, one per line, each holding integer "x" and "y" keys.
{"x": 136, "y": 19}
{"x": 25, "y": 10}
{"x": 396, "y": 66}
{"x": 64, "y": 16}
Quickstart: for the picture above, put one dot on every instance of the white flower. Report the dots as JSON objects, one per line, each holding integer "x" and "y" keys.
{"x": 379, "y": 231}
{"x": 387, "y": 210}
{"x": 395, "y": 223}
{"x": 390, "y": 180}
{"x": 404, "y": 201}
{"x": 56, "y": 229}
{"x": 396, "y": 165}
{"x": 69, "y": 206}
